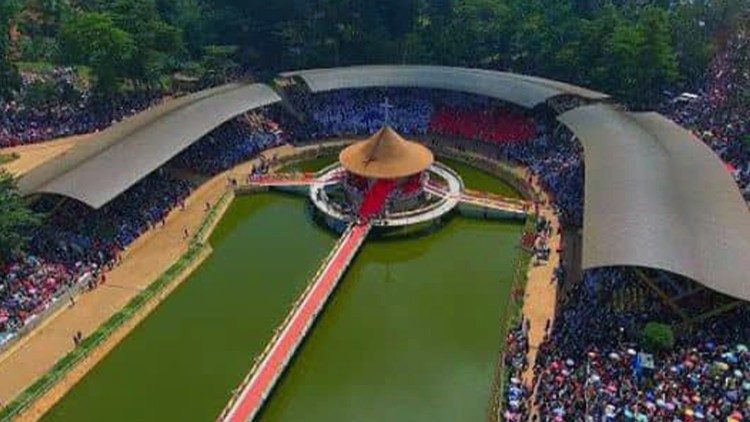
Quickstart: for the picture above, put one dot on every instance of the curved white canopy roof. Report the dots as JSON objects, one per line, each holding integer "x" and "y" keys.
{"x": 656, "y": 196}
{"x": 526, "y": 91}
{"x": 121, "y": 155}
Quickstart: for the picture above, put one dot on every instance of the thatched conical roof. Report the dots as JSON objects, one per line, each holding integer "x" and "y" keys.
{"x": 386, "y": 155}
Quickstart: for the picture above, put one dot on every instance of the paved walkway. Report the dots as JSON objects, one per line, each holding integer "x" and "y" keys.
{"x": 264, "y": 376}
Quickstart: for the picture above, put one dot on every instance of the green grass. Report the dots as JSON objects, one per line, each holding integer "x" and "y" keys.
{"x": 7, "y": 158}
{"x": 84, "y": 72}
{"x": 477, "y": 179}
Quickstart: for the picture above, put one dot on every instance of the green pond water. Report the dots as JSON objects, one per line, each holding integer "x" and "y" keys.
{"x": 411, "y": 334}
{"x": 182, "y": 362}
{"x": 481, "y": 180}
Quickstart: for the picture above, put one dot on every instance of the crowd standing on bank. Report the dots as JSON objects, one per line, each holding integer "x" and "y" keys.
{"x": 593, "y": 366}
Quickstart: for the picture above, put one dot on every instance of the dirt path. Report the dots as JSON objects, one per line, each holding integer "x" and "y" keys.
{"x": 33, "y": 155}
{"x": 142, "y": 264}
{"x": 540, "y": 298}
{"x": 48, "y": 400}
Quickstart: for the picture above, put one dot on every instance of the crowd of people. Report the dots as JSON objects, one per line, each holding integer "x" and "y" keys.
{"x": 68, "y": 111}
{"x": 593, "y": 365}
{"x": 515, "y": 355}
{"x": 719, "y": 113}
{"x": 422, "y": 113}
{"x": 351, "y": 112}
{"x": 232, "y": 143}
{"x": 77, "y": 243}
{"x": 493, "y": 125}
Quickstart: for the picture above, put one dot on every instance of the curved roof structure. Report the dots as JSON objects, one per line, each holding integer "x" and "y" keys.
{"x": 656, "y": 196}
{"x": 99, "y": 170}
{"x": 386, "y": 155}
{"x": 526, "y": 91}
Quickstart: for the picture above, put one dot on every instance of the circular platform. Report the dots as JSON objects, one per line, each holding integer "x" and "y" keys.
{"x": 444, "y": 200}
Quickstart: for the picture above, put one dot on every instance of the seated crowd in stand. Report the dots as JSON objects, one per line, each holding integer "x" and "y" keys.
{"x": 76, "y": 241}
{"x": 556, "y": 162}
{"x": 493, "y": 125}
{"x": 74, "y": 111}
{"x": 237, "y": 141}
{"x": 361, "y": 112}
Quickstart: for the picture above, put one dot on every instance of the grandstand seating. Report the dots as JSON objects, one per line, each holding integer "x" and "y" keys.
{"x": 493, "y": 125}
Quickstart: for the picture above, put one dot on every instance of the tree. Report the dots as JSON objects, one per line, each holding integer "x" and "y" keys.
{"x": 92, "y": 39}
{"x": 16, "y": 219}
{"x": 218, "y": 62}
{"x": 692, "y": 39}
{"x": 478, "y": 33}
{"x": 658, "y": 337}
{"x": 622, "y": 72}
{"x": 158, "y": 45}
{"x": 657, "y": 63}
{"x": 8, "y": 73}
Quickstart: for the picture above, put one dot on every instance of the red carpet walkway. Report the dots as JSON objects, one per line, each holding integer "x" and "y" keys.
{"x": 376, "y": 198}
{"x": 262, "y": 378}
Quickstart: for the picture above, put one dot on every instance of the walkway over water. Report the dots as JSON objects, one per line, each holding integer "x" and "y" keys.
{"x": 482, "y": 199}
{"x": 284, "y": 179}
{"x": 257, "y": 386}
{"x": 495, "y": 202}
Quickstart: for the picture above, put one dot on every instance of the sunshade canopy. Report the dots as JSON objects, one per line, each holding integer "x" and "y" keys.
{"x": 386, "y": 155}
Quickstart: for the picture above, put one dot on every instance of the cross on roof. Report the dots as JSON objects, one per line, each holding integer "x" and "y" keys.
{"x": 387, "y": 106}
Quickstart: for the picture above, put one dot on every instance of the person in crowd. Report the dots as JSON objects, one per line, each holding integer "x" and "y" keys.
{"x": 68, "y": 113}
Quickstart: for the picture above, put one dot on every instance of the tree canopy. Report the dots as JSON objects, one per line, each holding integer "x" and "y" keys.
{"x": 15, "y": 218}
{"x": 8, "y": 76}
{"x": 91, "y": 38}
{"x": 634, "y": 49}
